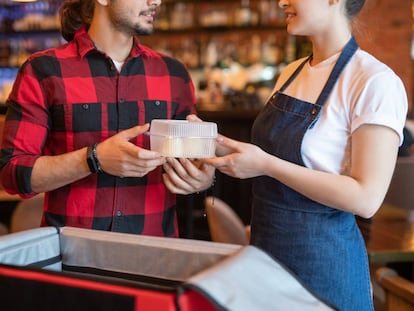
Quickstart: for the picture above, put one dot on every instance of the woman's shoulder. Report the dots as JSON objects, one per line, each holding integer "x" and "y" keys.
{"x": 369, "y": 65}
{"x": 365, "y": 70}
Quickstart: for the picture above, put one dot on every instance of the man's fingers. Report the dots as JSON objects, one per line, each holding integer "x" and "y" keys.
{"x": 193, "y": 118}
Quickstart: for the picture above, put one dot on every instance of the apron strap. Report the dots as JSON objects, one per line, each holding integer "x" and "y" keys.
{"x": 295, "y": 73}
{"x": 342, "y": 61}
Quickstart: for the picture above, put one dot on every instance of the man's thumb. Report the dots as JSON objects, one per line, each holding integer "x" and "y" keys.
{"x": 134, "y": 131}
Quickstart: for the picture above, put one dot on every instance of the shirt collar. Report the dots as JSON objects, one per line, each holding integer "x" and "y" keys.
{"x": 86, "y": 45}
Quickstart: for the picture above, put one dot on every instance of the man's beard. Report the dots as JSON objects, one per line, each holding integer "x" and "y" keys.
{"x": 121, "y": 24}
{"x": 136, "y": 29}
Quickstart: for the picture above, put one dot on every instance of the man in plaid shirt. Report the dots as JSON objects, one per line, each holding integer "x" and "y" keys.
{"x": 76, "y": 118}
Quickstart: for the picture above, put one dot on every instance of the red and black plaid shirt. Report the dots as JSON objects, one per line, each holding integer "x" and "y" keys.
{"x": 72, "y": 96}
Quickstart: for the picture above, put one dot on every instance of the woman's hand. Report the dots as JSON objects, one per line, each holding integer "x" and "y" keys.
{"x": 241, "y": 160}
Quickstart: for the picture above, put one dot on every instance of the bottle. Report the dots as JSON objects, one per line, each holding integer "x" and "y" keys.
{"x": 163, "y": 21}
{"x": 255, "y": 51}
{"x": 271, "y": 53}
{"x": 273, "y": 15}
{"x": 243, "y": 14}
{"x": 264, "y": 7}
{"x": 290, "y": 50}
{"x": 211, "y": 54}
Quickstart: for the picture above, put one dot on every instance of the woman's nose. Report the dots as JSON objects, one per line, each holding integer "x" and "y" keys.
{"x": 283, "y": 4}
{"x": 154, "y": 2}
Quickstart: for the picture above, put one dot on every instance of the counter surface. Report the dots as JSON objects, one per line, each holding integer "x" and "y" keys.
{"x": 390, "y": 235}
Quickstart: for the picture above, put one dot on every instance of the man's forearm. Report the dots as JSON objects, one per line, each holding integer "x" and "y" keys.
{"x": 52, "y": 172}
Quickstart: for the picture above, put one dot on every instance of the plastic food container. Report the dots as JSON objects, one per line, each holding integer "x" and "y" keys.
{"x": 183, "y": 139}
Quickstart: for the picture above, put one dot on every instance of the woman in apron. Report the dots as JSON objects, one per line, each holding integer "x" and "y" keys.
{"x": 323, "y": 150}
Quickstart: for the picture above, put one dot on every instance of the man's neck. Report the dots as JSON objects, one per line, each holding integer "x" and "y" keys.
{"x": 113, "y": 43}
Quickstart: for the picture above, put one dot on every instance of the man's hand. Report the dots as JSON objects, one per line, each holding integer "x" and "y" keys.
{"x": 185, "y": 176}
{"x": 119, "y": 157}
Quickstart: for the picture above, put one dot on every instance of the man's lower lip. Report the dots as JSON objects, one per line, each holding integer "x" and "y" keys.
{"x": 149, "y": 17}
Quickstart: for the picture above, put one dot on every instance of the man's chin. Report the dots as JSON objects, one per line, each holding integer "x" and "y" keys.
{"x": 144, "y": 31}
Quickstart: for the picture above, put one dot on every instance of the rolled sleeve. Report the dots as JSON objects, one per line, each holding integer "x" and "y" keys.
{"x": 24, "y": 133}
{"x": 388, "y": 104}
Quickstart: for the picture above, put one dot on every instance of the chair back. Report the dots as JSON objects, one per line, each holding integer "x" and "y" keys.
{"x": 224, "y": 224}
{"x": 27, "y": 214}
{"x": 400, "y": 193}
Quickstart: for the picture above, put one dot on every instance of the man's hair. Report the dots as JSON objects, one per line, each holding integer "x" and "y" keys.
{"x": 75, "y": 14}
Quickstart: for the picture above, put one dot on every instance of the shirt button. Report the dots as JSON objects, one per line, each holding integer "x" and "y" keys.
{"x": 118, "y": 213}
{"x": 157, "y": 103}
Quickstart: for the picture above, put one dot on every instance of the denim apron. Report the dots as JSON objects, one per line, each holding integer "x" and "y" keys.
{"x": 322, "y": 246}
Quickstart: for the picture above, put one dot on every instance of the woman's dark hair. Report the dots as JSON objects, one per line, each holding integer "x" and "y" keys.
{"x": 75, "y": 14}
{"x": 353, "y": 7}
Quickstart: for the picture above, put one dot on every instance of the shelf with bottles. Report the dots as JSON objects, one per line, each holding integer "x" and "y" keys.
{"x": 234, "y": 49}
{"x": 27, "y": 27}
{"x": 190, "y": 15}
{"x": 41, "y": 15}
{"x": 14, "y": 50}
{"x": 205, "y": 35}
{"x": 7, "y": 77}
{"x": 245, "y": 31}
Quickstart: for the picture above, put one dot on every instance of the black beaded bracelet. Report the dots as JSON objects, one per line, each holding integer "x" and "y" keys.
{"x": 92, "y": 159}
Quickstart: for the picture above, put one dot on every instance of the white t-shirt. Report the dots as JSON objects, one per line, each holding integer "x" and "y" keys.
{"x": 367, "y": 92}
{"x": 118, "y": 65}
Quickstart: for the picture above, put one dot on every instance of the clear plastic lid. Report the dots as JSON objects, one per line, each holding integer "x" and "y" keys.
{"x": 183, "y": 128}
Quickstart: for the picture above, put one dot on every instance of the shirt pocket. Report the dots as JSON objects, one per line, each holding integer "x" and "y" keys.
{"x": 76, "y": 118}
{"x": 76, "y": 125}
{"x": 157, "y": 109}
